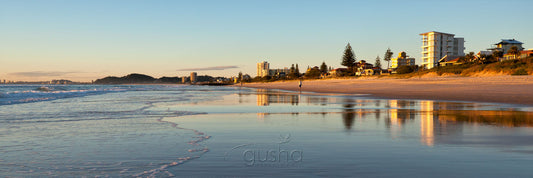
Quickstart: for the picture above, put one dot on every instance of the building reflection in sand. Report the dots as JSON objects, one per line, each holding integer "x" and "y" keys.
{"x": 438, "y": 122}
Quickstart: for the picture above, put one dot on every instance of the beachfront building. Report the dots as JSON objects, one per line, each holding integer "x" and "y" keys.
{"x": 193, "y": 77}
{"x": 506, "y": 44}
{"x": 436, "y": 45}
{"x": 450, "y": 62}
{"x": 523, "y": 54}
{"x": 402, "y": 60}
{"x": 263, "y": 69}
{"x": 278, "y": 72}
{"x": 337, "y": 72}
{"x": 361, "y": 67}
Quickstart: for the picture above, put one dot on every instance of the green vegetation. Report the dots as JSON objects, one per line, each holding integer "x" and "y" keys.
{"x": 510, "y": 67}
{"x": 323, "y": 68}
{"x": 312, "y": 73}
{"x": 378, "y": 62}
{"x": 388, "y": 56}
{"x": 348, "y": 59}
{"x": 514, "y": 51}
{"x": 469, "y": 65}
{"x": 145, "y": 79}
{"x": 520, "y": 71}
{"x": 405, "y": 69}
{"x": 497, "y": 54}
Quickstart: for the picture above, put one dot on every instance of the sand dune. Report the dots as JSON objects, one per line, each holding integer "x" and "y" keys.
{"x": 499, "y": 89}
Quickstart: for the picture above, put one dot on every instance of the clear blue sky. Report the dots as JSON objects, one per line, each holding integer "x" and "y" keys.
{"x": 86, "y": 40}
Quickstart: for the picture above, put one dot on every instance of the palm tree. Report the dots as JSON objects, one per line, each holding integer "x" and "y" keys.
{"x": 514, "y": 51}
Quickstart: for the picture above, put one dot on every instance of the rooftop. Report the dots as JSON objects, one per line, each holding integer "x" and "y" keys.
{"x": 509, "y": 41}
{"x": 436, "y": 32}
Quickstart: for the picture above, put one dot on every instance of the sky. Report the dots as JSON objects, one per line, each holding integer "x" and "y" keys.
{"x": 86, "y": 40}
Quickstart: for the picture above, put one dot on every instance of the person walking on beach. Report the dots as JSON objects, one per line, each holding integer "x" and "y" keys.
{"x": 300, "y": 85}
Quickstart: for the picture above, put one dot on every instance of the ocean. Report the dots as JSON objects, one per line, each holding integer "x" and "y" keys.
{"x": 213, "y": 131}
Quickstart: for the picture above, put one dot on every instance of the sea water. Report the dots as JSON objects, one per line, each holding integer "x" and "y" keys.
{"x": 184, "y": 130}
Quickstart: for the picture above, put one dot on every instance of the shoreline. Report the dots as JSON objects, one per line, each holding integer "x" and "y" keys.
{"x": 491, "y": 89}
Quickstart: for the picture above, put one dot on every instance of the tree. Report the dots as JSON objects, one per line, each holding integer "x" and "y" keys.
{"x": 324, "y": 68}
{"x": 348, "y": 59}
{"x": 388, "y": 56}
{"x": 313, "y": 73}
{"x": 470, "y": 56}
{"x": 514, "y": 51}
{"x": 378, "y": 62}
{"x": 497, "y": 54}
{"x": 292, "y": 72}
{"x": 239, "y": 78}
{"x": 297, "y": 71}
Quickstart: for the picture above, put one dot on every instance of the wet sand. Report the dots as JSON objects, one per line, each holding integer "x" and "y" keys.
{"x": 497, "y": 89}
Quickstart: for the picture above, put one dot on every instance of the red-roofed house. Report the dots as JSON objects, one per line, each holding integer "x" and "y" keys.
{"x": 526, "y": 53}
{"x": 451, "y": 62}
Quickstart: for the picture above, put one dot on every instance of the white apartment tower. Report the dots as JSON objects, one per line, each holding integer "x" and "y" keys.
{"x": 436, "y": 45}
{"x": 262, "y": 69}
{"x": 193, "y": 77}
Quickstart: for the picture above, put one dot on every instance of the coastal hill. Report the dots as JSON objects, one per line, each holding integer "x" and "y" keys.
{"x": 128, "y": 79}
{"x": 135, "y": 78}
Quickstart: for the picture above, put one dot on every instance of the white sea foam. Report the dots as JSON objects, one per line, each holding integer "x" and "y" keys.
{"x": 26, "y": 94}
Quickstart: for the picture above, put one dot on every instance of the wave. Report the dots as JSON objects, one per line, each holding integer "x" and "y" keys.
{"x": 28, "y": 94}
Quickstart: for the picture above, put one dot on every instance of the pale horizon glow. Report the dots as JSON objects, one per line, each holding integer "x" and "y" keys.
{"x": 87, "y": 40}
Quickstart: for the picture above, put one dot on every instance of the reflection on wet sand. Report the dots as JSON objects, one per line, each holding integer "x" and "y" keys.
{"x": 348, "y": 116}
{"x": 495, "y": 118}
{"x": 438, "y": 121}
{"x": 427, "y": 119}
{"x": 266, "y": 97}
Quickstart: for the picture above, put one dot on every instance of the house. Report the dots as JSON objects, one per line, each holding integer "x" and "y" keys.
{"x": 445, "y": 62}
{"x": 523, "y": 54}
{"x": 361, "y": 67}
{"x": 506, "y": 44}
{"x": 509, "y": 57}
{"x": 526, "y": 53}
{"x": 483, "y": 53}
{"x": 337, "y": 72}
{"x": 368, "y": 72}
{"x": 372, "y": 71}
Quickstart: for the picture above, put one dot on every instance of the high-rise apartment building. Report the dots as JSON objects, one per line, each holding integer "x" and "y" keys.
{"x": 193, "y": 77}
{"x": 262, "y": 69}
{"x": 436, "y": 45}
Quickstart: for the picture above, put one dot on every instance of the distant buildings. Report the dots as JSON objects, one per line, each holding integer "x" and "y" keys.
{"x": 61, "y": 82}
{"x": 193, "y": 77}
{"x": 278, "y": 72}
{"x": 263, "y": 69}
{"x": 402, "y": 60}
{"x": 436, "y": 45}
{"x": 506, "y": 44}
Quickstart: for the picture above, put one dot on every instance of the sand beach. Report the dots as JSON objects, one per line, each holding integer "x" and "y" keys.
{"x": 498, "y": 89}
